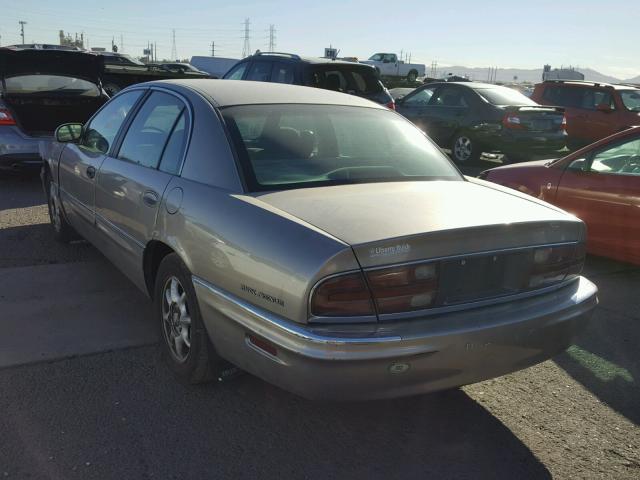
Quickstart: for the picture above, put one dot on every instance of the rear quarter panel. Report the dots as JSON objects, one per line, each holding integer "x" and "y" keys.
{"x": 251, "y": 250}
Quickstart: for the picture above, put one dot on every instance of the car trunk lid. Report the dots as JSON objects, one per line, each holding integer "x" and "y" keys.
{"x": 534, "y": 118}
{"x": 399, "y": 222}
{"x": 14, "y": 62}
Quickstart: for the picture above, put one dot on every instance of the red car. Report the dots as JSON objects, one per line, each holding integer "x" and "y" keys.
{"x": 593, "y": 110}
{"x": 600, "y": 184}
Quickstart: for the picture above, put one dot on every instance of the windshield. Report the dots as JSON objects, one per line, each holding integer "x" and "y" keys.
{"x": 34, "y": 84}
{"x": 293, "y": 146}
{"x": 631, "y": 99}
{"x": 504, "y": 96}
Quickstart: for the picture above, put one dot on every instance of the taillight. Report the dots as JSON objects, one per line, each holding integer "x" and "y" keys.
{"x": 555, "y": 264}
{"x": 6, "y": 118}
{"x": 391, "y": 105}
{"x": 403, "y": 289}
{"x": 563, "y": 125}
{"x": 344, "y": 295}
{"x": 513, "y": 121}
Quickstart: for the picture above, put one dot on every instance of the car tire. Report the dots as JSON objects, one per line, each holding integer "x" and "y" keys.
{"x": 464, "y": 149}
{"x": 412, "y": 76}
{"x": 186, "y": 346}
{"x": 62, "y": 231}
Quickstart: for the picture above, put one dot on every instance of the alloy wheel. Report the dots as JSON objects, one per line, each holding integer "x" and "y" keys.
{"x": 462, "y": 149}
{"x": 176, "y": 320}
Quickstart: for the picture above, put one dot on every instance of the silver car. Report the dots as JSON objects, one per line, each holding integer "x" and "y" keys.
{"x": 39, "y": 90}
{"x": 316, "y": 240}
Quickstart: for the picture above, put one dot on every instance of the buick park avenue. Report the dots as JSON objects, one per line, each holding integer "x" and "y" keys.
{"x": 316, "y": 240}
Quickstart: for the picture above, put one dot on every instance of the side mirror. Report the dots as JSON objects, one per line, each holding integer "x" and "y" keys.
{"x": 69, "y": 133}
{"x": 604, "y": 107}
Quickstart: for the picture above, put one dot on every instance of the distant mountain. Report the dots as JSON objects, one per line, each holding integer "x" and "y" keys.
{"x": 633, "y": 80}
{"x": 522, "y": 75}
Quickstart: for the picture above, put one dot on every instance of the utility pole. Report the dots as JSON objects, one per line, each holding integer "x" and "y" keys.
{"x": 246, "y": 48}
{"x": 272, "y": 38}
{"x": 22, "y": 24}
{"x": 213, "y": 49}
{"x": 155, "y": 51}
{"x": 174, "y": 52}
{"x": 121, "y": 44}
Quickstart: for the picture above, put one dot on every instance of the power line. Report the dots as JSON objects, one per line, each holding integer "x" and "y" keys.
{"x": 246, "y": 48}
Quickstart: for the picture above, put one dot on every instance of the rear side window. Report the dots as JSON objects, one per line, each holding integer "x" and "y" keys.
{"x": 149, "y": 132}
{"x": 358, "y": 81}
{"x": 578, "y": 97}
{"x": 282, "y": 73}
{"x": 259, "y": 72}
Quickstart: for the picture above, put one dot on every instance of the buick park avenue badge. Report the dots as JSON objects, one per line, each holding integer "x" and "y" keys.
{"x": 389, "y": 251}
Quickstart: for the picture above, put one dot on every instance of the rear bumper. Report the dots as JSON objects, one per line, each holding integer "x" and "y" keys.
{"x": 508, "y": 141}
{"x": 384, "y": 360}
{"x": 19, "y": 151}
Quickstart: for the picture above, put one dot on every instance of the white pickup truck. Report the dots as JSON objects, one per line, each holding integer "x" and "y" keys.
{"x": 388, "y": 65}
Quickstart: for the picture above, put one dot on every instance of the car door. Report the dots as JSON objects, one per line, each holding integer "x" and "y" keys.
{"x": 604, "y": 191}
{"x": 446, "y": 112}
{"x": 80, "y": 162}
{"x": 599, "y": 123}
{"x": 130, "y": 184}
{"x": 414, "y": 106}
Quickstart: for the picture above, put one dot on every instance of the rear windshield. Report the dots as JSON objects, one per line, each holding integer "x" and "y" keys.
{"x": 355, "y": 80}
{"x": 504, "y": 96}
{"x": 50, "y": 84}
{"x": 631, "y": 99}
{"x": 294, "y": 146}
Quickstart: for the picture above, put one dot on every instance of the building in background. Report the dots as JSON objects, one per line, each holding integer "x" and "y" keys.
{"x": 561, "y": 74}
{"x": 68, "y": 41}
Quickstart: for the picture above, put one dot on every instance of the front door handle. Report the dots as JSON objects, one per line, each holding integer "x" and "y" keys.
{"x": 91, "y": 172}
{"x": 150, "y": 198}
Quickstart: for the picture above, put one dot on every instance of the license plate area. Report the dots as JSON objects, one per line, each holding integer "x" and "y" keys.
{"x": 477, "y": 278}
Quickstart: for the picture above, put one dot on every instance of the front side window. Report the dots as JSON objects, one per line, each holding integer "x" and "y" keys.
{"x": 621, "y": 159}
{"x": 147, "y": 136}
{"x": 294, "y": 146}
{"x": 260, "y": 72}
{"x": 103, "y": 128}
{"x": 421, "y": 98}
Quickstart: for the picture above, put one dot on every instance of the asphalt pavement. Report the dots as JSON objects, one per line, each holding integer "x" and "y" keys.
{"x": 84, "y": 393}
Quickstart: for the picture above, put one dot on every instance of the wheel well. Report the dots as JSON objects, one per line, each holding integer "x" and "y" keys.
{"x": 153, "y": 255}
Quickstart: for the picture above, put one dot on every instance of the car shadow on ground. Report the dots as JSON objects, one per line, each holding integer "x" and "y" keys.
{"x": 605, "y": 356}
{"x": 124, "y": 414}
{"x": 20, "y": 190}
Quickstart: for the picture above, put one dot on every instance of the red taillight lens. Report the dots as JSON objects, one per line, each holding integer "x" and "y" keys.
{"x": 6, "y": 118}
{"x": 513, "y": 121}
{"x": 344, "y": 295}
{"x": 555, "y": 264}
{"x": 404, "y": 289}
{"x": 391, "y": 105}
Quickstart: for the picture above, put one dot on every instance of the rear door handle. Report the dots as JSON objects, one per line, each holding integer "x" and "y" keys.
{"x": 91, "y": 172}
{"x": 150, "y": 198}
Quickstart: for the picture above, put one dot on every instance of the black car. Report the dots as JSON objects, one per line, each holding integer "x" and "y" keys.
{"x": 348, "y": 77}
{"x": 471, "y": 118}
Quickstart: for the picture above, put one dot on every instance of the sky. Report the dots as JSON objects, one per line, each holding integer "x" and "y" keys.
{"x": 582, "y": 33}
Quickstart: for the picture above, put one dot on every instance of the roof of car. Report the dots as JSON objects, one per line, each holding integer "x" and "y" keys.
{"x": 585, "y": 83}
{"x": 225, "y": 93}
{"x": 478, "y": 85}
{"x": 303, "y": 59}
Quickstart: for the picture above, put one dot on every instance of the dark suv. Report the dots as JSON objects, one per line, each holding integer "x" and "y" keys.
{"x": 348, "y": 77}
{"x": 593, "y": 110}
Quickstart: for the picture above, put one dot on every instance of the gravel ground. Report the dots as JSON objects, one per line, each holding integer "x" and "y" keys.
{"x": 122, "y": 415}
